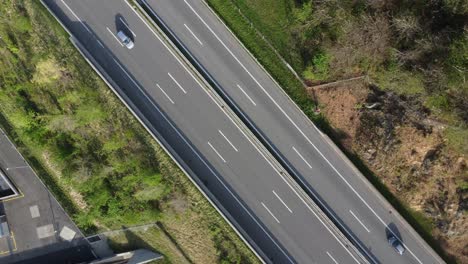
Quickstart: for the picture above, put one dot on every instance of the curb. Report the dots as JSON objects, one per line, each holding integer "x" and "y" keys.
{"x": 290, "y": 179}
{"x": 331, "y": 143}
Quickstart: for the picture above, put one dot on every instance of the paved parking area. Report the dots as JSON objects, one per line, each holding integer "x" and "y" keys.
{"x": 38, "y": 224}
{"x": 7, "y": 244}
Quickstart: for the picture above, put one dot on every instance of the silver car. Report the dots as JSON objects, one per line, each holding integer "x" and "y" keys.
{"x": 125, "y": 39}
{"x": 396, "y": 244}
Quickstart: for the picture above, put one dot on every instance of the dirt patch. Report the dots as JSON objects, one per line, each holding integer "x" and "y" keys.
{"x": 178, "y": 204}
{"x": 47, "y": 71}
{"x": 188, "y": 230}
{"x": 77, "y": 198}
{"x": 397, "y": 140}
{"x": 336, "y": 102}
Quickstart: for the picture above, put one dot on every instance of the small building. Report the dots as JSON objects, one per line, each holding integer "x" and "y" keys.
{"x": 7, "y": 189}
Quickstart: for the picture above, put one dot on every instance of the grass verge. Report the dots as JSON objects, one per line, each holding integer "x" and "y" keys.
{"x": 264, "y": 54}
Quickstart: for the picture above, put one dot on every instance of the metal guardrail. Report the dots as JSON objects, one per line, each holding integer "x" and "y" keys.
{"x": 160, "y": 140}
{"x": 323, "y": 216}
{"x": 184, "y": 167}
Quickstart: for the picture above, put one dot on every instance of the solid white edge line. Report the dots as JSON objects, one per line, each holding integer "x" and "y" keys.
{"x": 219, "y": 155}
{"x": 367, "y": 205}
{"x": 251, "y": 100}
{"x": 230, "y": 143}
{"x": 332, "y": 258}
{"x": 282, "y": 177}
{"x": 281, "y": 200}
{"x": 14, "y": 168}
{"x": 297, "y": 127}
{"x": 245, "y": 135}
{"x": 127, "y": 26}
{"x": 100, "y": 43}
{"x": 209, "y": 168}
{"x": 110, "y": 31}
{"x": 193, "y": 34}
{"x": 204, "y": 162}
{"x": 235, "y": 228}
{"x": 299, "y": 154}
{"x": 164, "y": 92}
{"x": 271, "y": 213}
{"x": 170, "y": 154}
{"x": 177, "y": 83}
{"x": 359, "y": 220}
{"x": 82, "y": 23}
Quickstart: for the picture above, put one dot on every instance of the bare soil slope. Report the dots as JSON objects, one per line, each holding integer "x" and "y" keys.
{"x": 397, "y": 139}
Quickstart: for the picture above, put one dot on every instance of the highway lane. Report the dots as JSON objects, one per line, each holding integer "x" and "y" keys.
{"x": 326, "y": 174}
{"x": 274, "y": 214}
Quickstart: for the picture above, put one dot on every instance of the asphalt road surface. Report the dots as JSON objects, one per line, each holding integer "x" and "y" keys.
{"x": 202, "y": 132}
{"x": 326, "y": 174}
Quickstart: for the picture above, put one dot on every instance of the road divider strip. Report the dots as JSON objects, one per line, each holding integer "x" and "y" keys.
{"x": 305, "y": 198}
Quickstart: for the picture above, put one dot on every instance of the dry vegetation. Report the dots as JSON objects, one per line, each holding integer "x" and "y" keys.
{"x": 400, "y": 142}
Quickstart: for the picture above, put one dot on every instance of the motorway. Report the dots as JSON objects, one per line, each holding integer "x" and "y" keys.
{"x": 323, "y": 171}
{"x": 164, "y": 92}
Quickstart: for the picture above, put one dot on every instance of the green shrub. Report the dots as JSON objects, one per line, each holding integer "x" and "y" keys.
{"x": 438, "y": 103}
{"x": 457, "y": 61}
{"x": 320, "y": 68}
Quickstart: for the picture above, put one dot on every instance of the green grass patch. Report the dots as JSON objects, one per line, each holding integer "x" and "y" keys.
{"x": 151, "y": 238}
{"x": 400, "y": 81}
{"x": 274, "y": 22}
{"x": 437, "y": 103}
{"x": 320, "y": 68}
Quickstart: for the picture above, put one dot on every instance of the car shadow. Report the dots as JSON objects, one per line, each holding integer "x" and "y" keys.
{"x": 121, "y": 24}
{"x": 392, "y": 230}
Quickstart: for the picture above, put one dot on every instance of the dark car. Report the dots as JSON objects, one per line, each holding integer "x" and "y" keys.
{"x": 396, "y": 244}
